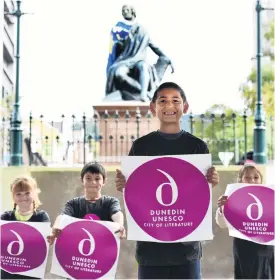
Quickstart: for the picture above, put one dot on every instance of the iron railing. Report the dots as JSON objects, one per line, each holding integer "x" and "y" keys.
{"x": 73, "y": 140}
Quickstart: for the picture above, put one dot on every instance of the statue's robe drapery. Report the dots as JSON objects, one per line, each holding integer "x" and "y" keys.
{"x": 134, "y": 51}
{"x": 118, "y": 33}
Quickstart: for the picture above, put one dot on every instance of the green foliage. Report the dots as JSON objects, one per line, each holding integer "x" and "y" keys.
{"x": 269, "y": 37}
{"x": 223, "y": 130}
{"x": 249, "y": 88}
{"x": 7, "y": 105}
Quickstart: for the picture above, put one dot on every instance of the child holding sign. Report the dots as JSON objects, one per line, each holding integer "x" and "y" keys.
{"x": 251, "y": 260}
{"x": 26, "y": 202}
{"x": 168, "y": 260}
{"x": 93, "y": 205}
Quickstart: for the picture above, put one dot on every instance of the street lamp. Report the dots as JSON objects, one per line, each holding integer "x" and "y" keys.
{"x": 259, "y": 154}
{"x": 16, "y": 158}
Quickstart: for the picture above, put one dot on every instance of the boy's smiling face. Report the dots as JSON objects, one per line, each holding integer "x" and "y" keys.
{"x": 93, "y": 183}
{"x": 169, "y": 106}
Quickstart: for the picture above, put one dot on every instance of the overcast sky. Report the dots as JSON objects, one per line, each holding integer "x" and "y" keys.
{"x": 65, "y": 48}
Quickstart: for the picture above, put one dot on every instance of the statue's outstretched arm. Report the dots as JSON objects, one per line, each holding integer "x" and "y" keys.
{"x": 156, "y": 49}
{"x": 158, "y": 52}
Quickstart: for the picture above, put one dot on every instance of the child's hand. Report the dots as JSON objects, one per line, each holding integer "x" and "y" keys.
{"x": 221, "y": 202}
{"x": 212, "y": 176}
{"x": 122, "y": 232}
{"x": 120, "y": 180}
{"x": 50, "y": 239}
{"x": 55, "y": 233}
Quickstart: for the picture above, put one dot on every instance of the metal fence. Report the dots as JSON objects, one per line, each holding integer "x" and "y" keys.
{"x": 75, "y": 140}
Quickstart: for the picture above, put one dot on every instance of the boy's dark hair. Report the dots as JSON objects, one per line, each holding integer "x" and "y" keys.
{"x": 168, "y": 85}
{"x": 94, "y": 168}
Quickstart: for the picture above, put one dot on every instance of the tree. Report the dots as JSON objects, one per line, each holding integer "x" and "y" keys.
{"x": 249, "y": 87}
{"x": 223, "y": 128}
{"x": 7, "y": 105}
{"x": 6, "y": 111}
{"x": 217, "y": 124}
{"x": 269, "y": 38}
{"x": 249, "y": 90}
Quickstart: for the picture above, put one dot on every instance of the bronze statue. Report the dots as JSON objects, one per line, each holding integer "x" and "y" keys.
{"x": 131, "y": 77}
{"x": 119, "y": 33}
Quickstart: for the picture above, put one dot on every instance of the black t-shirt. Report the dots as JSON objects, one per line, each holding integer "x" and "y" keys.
{"x": 245, "y": 249}
{"x": 252, "y": 260}
{"x": 103, "y": 208}
{"x": 38, "y": 216}
{"x": 160, "y": 144}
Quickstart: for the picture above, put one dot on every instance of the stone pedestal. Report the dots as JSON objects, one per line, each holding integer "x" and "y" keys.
{"x": 119, "y": 124}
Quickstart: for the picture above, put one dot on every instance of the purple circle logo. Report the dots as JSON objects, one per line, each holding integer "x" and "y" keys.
{"x": 167, "y": 197}
{"x": 86, "y": 250}
{"x": 250, "y": 210}
{"x": 18, "y": 241}
{"x": 92, "y": 217}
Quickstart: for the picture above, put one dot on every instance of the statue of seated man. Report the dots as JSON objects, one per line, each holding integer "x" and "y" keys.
{"x": 131, "y": 74}
{"x": 119, "y": 33}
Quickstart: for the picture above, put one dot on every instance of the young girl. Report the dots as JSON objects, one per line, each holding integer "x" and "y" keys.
{"x": 251, "y": 260}
{"x": 26, "y": 202}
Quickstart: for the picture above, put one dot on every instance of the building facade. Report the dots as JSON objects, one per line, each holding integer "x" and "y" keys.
{"x": 7, "y": 70}
{"x": 8, "y": 27}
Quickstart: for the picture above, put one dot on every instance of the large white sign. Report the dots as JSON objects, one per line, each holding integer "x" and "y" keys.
{"x": 86, "y": 249}
{"x": 168, "y": 199}
{"x": 24, "y": 247}
{"x": 249, "y": 212}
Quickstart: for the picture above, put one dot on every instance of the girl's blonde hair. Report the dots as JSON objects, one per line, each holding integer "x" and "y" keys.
{"x": 26, "y": 184}
{"x": 248, "y": 167}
